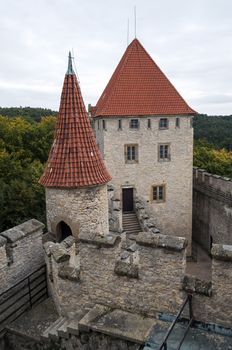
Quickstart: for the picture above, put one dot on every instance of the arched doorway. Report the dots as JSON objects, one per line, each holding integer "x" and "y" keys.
{"x": 63, "y": 231}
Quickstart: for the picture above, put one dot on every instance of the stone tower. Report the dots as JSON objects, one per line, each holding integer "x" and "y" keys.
{"x": 75, "y": 176}
{"x": 144, "y": 131}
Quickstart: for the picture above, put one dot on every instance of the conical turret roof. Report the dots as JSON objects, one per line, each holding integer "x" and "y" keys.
{"x": 74, "y": 160}
{"x": 138, "y": 87}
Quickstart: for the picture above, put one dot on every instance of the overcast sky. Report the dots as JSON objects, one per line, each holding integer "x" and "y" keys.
{"x": 191, "y": 41}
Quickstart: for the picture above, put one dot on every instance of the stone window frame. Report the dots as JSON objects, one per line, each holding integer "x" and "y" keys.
{"x": 136, "y": 153}
{"x": 163, "y": 124}
{"x": 164, "y": 159}
{"x": 103, "y": 124}
{"x": 149, "y": 123}
{"x": 119, "y": 124}
{"x": 156, "y": 189}
{"x": 177, "y": 123}
{"x": 134, "y": 124}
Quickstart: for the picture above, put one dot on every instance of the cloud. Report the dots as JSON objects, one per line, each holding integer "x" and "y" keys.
{"x": 190, "y": 41}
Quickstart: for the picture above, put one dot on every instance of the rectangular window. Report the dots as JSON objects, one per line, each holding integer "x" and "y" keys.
{"x": 177, "y": 122}
{"x": 163, "y": 123}
{"x": 134, "y": 124}
{"x": 191, "y": 122}
{"x": 119, "y": 124}
{"x": 164, "y": 152}
{"x": 149, "y": 123}
{"x": 131, "y": 153}
{"x": 158, "y": 193}
{"x": 98, "y": 124}
{"x": 103, "y": 124}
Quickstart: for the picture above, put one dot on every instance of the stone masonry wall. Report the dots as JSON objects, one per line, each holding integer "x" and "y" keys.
{"x": 84, "y": 209}
{"x": 21, "y": 252}
{"x": 212, "y": 209}
{"x": 174, "y": 216}
{"x": 217, "y": 307}
{"x": 143, "y": 279}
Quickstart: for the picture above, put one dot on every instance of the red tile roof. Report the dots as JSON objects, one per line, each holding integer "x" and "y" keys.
{"x": 74, "y": 159}
{"x": 138, "y": 87}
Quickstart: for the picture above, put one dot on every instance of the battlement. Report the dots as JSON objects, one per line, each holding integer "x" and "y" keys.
{"x": 217, "y": 186}
{"x": 20, "y": 252}
{"x": 212, "y": 208}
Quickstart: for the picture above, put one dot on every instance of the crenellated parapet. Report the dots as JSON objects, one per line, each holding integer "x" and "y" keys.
{"x": 212, "y": 209}
{"x": 21, "y": 252}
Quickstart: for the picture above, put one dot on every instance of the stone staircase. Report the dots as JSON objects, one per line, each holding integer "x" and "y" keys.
{"x": 61, "y": 328}
{"x": 130, "y": 223}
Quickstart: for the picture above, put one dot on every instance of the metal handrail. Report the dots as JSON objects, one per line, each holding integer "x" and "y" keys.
{"x": 188, "y": 300}
{"x": 28, "y": 298}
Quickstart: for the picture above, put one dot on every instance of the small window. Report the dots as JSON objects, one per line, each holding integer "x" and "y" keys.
{"x": 98, "y": 124}
{"x": 158, "y": 193}
{"x": 164, "y": 152}
{"x": 177, "y": 122}
{"x": 131, "y": 153}
{"x": 119, "y": 124}
{"x": 191, "y": 122}
{"x": 134, "y": 123}
{"x": 163, "y": 123}
{"x": 103, "y": 124}
{"x": 149, "y": 123}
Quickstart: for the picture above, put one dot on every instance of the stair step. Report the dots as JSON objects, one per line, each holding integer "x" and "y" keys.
{"x": 62, "y": 330}
{"x": 51, "y": 331}
{"x": 72, "y": 327}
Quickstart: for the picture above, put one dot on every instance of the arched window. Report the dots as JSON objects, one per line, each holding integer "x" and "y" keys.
{"x": 63, "y": 231}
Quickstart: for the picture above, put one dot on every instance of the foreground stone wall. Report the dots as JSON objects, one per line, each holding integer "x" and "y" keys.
{"x": 21, "y": 252}
{"x": 84, "y": 209}
{"x": 213, "y": 304}
{"x": 174, "y": 216}
{"x": 212, "y": 209}
{"x": 143, "y": 279}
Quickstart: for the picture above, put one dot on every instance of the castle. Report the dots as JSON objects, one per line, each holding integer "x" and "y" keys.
{"x": 113, "y": 287}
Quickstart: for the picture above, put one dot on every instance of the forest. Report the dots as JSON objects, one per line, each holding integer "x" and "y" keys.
{"x": 26, "y": 135}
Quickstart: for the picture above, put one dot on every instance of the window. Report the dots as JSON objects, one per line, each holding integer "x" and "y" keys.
{"x": 191, "y": 122}
{"x": 158, "y": 193}
{"x": 131, "y": 153}
{"x": 103, "y": 124}
{"x": 164, "y": 152}
{"x": 134, "y": 123}
{"x": 163, "y": 123}
{"x": 177, "y": 122}
{"x": 119, "y": 124}
{"x": 149, "y": 123}
{"x": 98, "y": 124}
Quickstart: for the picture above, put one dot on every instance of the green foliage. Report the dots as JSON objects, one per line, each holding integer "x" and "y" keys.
{"x": 213, "y": 160}
{"x": 24, "y": 149}
{"x": 216, "y": 130}
{"x": 28, "y": 113}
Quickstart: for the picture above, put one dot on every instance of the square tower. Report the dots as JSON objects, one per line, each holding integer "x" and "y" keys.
{"x": 144, "y": 131}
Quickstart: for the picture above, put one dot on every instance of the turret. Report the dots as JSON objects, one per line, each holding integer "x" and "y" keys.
{"x": 75, "y": 176}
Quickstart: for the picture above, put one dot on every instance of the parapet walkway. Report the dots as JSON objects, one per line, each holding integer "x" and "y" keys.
{"x": 44, "y": 324}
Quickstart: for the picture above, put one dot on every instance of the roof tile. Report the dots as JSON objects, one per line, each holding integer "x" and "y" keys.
{"x": 138, "y": 87}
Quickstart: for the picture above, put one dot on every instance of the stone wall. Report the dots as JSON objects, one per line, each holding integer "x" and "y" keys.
{"x": 212, "y": 303}
{"x": 174, "y": 216}
{"x": 212, "y": 209}
{"x": 21, "y": 252}
{"x": 142, "y": 277}
{"x": 83, "y": 210}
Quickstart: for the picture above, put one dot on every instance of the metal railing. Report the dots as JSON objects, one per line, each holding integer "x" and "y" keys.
{"x": 23, "y": 296}
{"x": 188, "y": 301}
